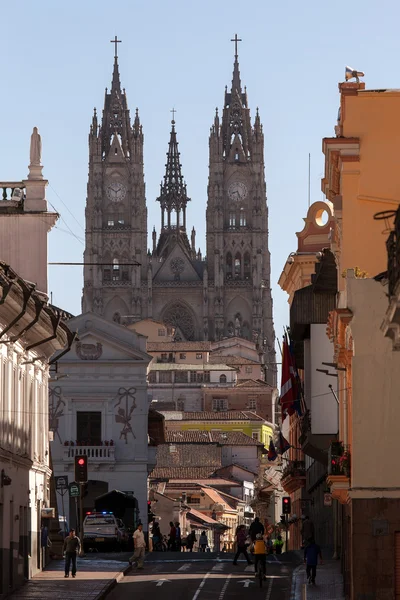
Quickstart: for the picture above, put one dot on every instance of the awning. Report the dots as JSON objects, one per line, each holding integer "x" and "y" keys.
{"x": 199, "y": 518}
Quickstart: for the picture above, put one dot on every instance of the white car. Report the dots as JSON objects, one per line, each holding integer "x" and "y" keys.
{"x": 101, "y": 529}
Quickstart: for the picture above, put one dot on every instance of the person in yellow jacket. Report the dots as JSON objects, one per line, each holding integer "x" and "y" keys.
{"x": 259, "y": 549}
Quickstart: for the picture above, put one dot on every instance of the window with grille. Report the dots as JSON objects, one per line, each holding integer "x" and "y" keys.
{"x": 161, "y": 332}
{"x": 220, "y": 403}
{"x": 252, "y": 404}
{"x": 165, "y": 377}
{"x": 193, "y": 378}
{"x": 152, "y": 377}
{"x": 249, "y": 369}
{"x": 256, "y": 436}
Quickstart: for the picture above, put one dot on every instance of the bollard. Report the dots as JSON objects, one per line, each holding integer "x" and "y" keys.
{"x": 304, "y": 592}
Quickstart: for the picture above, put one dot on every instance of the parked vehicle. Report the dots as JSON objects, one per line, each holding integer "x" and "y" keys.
{"x": 102, "y": 530}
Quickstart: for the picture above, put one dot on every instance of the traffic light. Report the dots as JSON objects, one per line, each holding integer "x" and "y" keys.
{"x": 150, "y": 515}
{"x": 81, "y": 468}
{"x": 286, "y": 505}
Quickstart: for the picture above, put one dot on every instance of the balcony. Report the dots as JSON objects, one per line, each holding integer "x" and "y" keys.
{"x": 339, "y": 471}
{"x": 293, "y": 476}
{"x": 391, "y": 323}
{"x": 97, "y": 455}
{"x": 313, "y": 445}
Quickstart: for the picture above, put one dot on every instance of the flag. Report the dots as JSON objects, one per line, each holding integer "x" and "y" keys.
{"x": 288, "y": 382}
{"x": 272, "y": 455}
{"x": 283, "y": 444}
{"x": 299, "y": 404}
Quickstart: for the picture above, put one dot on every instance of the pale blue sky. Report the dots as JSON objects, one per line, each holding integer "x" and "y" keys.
{"x": 56, "y": 61}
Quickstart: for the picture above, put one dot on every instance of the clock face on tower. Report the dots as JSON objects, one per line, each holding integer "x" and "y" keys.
{"x": 237, "y": 191}
{"x": 116, "y": 191}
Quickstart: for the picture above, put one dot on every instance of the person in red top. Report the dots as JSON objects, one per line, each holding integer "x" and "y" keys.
{"x": 172, "y": 537}
{"x": 241, "y": 538}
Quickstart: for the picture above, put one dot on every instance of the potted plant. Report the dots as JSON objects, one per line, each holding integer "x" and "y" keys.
{"x": 66, "y": 443}
{"x": 106, "y": 443}
{"x": 111, "y": 442}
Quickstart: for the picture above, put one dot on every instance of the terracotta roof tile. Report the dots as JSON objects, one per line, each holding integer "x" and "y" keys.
{"x": 229, "y": 415}
{"x": 182, "y": 472}
{"x": 226, "y": 438}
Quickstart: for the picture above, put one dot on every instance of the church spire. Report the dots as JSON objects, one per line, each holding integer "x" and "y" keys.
{"x": 236, "y": 85}
{"x": 173, "y": 196}
{"x": 116, "y": 84}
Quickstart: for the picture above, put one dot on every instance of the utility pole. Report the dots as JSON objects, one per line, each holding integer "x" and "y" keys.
{"x": 81, "y": 552}
{"x": 286, "y": 527}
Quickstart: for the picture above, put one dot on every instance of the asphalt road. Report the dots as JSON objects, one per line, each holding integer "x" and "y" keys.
{"x": 216, "y": 579}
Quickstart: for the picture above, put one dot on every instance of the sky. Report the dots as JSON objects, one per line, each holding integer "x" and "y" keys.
{"x": 56, "y": 61}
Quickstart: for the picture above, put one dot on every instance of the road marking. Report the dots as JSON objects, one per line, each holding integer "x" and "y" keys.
{"x": 246, "y": 582}
{"x": 206, "y": 576}
{"x": 224, "y": 588}
{"x": 184, "y": 567}
{"x": 268, "y": 596}
{"x": 249, "y": 568}
{"x": 219, "y": 567}
{"x": 159, "y": 582}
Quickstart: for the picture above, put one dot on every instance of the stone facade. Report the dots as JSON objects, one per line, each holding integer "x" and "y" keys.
{"x": 228, "y": 293}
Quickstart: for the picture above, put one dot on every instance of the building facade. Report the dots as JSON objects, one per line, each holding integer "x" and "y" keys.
{"x": 223, "y": 295}
{"x": 101, "y": 409}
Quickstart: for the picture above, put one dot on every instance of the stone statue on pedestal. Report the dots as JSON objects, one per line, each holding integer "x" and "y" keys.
{"x": 36, "y": 148}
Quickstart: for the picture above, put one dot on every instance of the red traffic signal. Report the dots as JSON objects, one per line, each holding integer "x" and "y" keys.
{"x": 286, "y": 505}
{"x": 81, "y": 469}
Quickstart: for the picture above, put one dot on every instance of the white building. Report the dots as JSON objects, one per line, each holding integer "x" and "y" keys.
{"x": 102, "y": 408}
{"x": 30, "y": 333}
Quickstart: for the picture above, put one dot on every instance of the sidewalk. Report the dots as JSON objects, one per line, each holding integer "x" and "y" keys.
{"x": 93, "y": 581}
{"x": 329, "y": 583}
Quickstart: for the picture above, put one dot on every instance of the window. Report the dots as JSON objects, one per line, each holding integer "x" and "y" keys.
{"x": 246, "y": 266}
{"x": 255, "y": 435}
{"x": 199, "y": 356}
{"x": 238, "y": 266}
{"x": 242, "y": 218}
{"x": 229, "y": 266}
{"x": 220, "y": 403}
{"x": 121, "y": 221}
{"x": 200, "y": 377}
{"x": 232, "y": 219}
{"x": 110, "y": 223}
{"x": 206, "y": 376}
{"x": 182, "y": 356}
{"x": 115, "y": 270}
{"x": 222, "y": 379}
{"x": 193, "y": 377}
{"x": 165, "y": 377}
{"x": 252, "y": 403}
{"x": 249, "y": 369}
{"x": 152, "y": 378}
{"x": 161, "y": 332}
{"x": 164, "y": 356}
{"x": 88, "y": 428}
{"x": 191, "y": 500}
{"x": 181, "y": 377}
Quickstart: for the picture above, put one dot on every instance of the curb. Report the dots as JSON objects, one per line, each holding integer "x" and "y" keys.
{"x": 294, "y": 579}
{"x": 112, "y": 583}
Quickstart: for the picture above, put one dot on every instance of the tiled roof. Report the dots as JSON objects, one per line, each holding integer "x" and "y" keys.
{"x": 216, "y": 497}
{"x": 252, "y": 383}
{"x": 155, "y": 366}
{"x": 208, "y": 415}
{"x": 212, "y": 481}
{"x": 177, "y": 346}
{"x": 182, "y": 472}
{"x": 201, "y": 517}
{"x": 230, "y": 359}
{"x": 226, "y": 438}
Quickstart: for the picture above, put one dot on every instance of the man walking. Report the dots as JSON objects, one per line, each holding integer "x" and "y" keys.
{"x": 72, "y": 545}
{"x": 140, "y": 547}
{"x": 311, "y": 554}
{"x": 255, "y": 528}
{"x": 178, "y": 538}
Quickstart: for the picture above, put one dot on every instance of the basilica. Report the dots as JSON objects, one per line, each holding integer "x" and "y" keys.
{"x": 224, "y": 294}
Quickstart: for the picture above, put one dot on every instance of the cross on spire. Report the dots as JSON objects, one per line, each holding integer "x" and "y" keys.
{"x": 236, "y": 40}
{"x": 115, "y": 41}
{"x": 173, "y": 114}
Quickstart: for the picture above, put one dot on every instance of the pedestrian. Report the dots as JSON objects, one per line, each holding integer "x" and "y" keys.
{"x": 178, "y": 538}
{"x": 203, "y": 542}
{"x": 307, "y": 530}
{"x": 72, "y": 545}
{"x": 258, "y": 548}
{"x": 278, "y": 545}
{"x": 172, "y": 537}
{"x": 140, "y": 547}
{"x": 269, "y": 544}
{"x": 256, "y": 527}
{"x": 156, "y": 536}
{"x": 311, "y": 554}
{"x": 190, "y": 541}
{"x": 241, "y": 538}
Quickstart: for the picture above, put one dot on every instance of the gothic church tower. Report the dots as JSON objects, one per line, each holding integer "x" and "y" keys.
{"x": 238, "y": 258}
{"x": 116, "y": 214}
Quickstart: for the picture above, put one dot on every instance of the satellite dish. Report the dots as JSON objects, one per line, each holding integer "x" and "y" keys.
{"x": 352, "y": 73}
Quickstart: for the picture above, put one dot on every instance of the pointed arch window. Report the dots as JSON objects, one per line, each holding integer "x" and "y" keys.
{"x": 238, "y": 265}
{"x": 242, "y": 218}
{"x": 229, "y": 266}
{"x": 246, "y": 265}
{"x": 115, "y": 270}
{"x": 232, "y": 219}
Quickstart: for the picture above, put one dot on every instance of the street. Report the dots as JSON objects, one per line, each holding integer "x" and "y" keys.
{"x": 204, "y": 580}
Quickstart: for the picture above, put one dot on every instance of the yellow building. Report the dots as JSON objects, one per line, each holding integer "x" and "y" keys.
{"x": 245, "y": 421}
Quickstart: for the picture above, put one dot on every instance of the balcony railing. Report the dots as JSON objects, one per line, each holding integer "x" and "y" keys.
{"x": 294, "y": 468}
{"x": 102, "y": 454}
{"x": 393, "y": 252}
{"x": 12, "y": 191}
{"x": 339, "y": 460}
{"x": 305, "y": 426}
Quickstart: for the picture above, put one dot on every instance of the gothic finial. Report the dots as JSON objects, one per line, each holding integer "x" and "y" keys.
{"x": 116, "y": 41}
